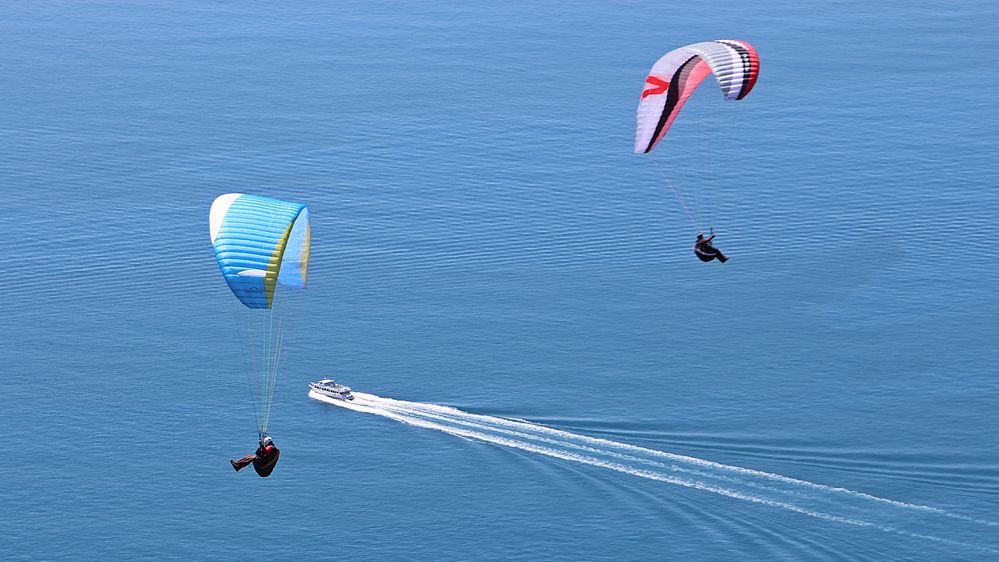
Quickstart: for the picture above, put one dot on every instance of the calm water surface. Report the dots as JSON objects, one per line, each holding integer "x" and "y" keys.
{"x": 484, "y": 239}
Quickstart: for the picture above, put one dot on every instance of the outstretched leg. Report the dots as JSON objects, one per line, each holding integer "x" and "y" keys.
{"x": 721, "y": 257}
{"x": 243, "y": 462}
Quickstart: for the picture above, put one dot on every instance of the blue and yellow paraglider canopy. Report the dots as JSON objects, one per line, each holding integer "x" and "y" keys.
{"x": 260, "y": 243}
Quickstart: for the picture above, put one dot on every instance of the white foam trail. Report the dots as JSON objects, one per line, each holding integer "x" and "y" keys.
{"x": 598, "y": 442}
{"x": 801, "y": 496}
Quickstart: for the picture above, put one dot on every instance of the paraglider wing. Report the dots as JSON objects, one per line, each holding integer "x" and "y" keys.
{"x": 260, "y": 243}
{"x": 677, "y": 74}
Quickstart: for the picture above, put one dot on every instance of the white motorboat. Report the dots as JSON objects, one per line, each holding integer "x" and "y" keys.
{"x": 327, "y": 387}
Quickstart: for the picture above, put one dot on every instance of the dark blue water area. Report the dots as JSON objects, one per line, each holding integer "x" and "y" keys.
{"x": 484, "y": 238}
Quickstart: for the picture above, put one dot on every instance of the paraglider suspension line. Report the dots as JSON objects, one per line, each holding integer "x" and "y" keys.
{"x": 679, "y": 198}
{"x": 249, "y": 363}
{"x": 270, "y": 380}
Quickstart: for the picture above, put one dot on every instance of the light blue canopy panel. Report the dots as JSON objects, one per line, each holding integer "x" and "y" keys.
{"x": 260, "y": 243}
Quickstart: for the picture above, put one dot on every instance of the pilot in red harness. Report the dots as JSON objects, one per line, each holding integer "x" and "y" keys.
{"x": 264, "y": 459}
{"x": 705, "y": 251}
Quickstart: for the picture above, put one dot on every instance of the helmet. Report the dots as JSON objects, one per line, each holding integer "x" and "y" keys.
{"x": 266, "y": 440}
{"x": 700, "y": 236}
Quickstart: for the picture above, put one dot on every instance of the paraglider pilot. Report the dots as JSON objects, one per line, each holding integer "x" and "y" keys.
{"x": 705, "y": 251}
{"x": 263, "y": 459}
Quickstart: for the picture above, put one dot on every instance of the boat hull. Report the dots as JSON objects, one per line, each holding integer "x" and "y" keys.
{"x": 346, "y": 397}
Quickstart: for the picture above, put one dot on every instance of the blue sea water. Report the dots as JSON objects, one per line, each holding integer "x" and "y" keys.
{"x": 484, "y": 239}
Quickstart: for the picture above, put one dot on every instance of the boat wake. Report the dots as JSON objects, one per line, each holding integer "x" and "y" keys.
{"x": 829, "y": 503}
